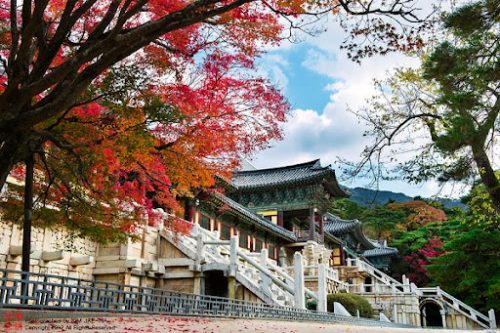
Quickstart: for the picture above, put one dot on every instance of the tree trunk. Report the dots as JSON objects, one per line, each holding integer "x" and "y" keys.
{"x": 13, "y": 150}
{"x": 488, "y": 176}
{"x": 28, "y": 207}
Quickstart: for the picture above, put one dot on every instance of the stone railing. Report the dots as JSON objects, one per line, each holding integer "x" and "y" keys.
{"x": 51, "y": 292}
{"x": 380, "y": 276}
{"x": 390, "y": 285}
{"x": 258, "y": 274}
{"x": 456, "y": 304}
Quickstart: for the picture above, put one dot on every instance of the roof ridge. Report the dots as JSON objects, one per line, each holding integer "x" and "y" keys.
{"x": 338, "y": 218}
{"x": 313, "y": 164}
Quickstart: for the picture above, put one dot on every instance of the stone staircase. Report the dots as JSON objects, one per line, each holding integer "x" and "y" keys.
{"x": 386, "y": 283}
{"x": 256, "y": 272}
{"x": 454, "y": 303}
{"x": 284, "y": 286}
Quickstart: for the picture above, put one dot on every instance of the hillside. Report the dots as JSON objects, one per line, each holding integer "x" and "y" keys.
{"x": 368, "y": 197}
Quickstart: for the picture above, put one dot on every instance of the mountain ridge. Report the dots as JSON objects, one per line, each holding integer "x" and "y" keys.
{"x": 369, "y": 197}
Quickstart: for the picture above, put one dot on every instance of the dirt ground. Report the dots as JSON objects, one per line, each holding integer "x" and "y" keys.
{"x": 166, "y": 324}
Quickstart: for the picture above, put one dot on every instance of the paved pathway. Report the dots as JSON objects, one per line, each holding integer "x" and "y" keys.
{"x": 166, "y": 324}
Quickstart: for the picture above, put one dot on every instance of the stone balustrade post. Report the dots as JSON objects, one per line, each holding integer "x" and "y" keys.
{"x": 491, "y": 316}
{"x": 264, "y": 278}
{"x": 298, "y": 266}
{"x": 233, "y": 258}
{"x": 443, "y": 317}
{"x": 200, "y": 249}
{"x": 322, "y": 288}
{"x": 233, "y": 267}
{"x": 406, "y": 283}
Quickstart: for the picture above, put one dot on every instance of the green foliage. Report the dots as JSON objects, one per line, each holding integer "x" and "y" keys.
{"x": 452, "y": 101}
{"x": 411, "y": 241}
{"x": 347, "y": 209}
{"x": 352, "y": 303}
{"x": 470, "y": 268}
{"x": 311, "y": 304}
{"x": 378, "y": 221}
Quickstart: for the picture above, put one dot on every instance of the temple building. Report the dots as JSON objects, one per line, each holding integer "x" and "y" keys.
{"x": 281, "y": 209}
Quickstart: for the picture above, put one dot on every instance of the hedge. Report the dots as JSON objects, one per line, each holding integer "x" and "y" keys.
{"x": 352, "y": 303}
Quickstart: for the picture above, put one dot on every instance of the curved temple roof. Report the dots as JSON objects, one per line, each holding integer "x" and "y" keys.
{"x": 337, "y": 226}
{"x": 380, "y": 251}
{"x": 288, "y": 175}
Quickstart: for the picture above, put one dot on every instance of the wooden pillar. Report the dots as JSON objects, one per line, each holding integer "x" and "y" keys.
{"x": 189, "y": 210}
{"x": 312, "y": 227}
{"x": 280, "y": 218}
{"x": 321, "y": 228}
{"x": 342, "y": 256}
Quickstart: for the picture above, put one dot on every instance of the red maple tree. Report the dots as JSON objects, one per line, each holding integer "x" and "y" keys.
{"x": 418, "y": 260}
{"x": 126, "y": 104}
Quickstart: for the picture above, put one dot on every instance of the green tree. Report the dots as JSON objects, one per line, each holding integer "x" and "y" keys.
{"x": 450, "y": 104}
{"x": 378, "y": 221}
{"x": 470, "y": 268}
{"x": 347, "y": 209}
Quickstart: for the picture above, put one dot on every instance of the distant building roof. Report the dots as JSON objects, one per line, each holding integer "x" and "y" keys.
{"x": 380, "y": 251}
{"x": 340, "y": 227}
{"x": 246, "y": 166}
{"x": 335, "y": 225}
{"x": 288, "y": 175}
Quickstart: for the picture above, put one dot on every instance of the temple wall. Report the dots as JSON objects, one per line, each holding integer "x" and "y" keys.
{"x": 456, "y": 320}
{"x": 54, "y": 251}
{"x": 400, "y": 308}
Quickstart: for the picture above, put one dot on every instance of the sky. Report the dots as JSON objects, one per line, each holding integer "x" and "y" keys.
{"x": 321, "y": 84}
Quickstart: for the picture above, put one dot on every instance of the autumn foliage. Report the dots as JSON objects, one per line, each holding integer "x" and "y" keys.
{"x": 419, "y": 213}
{"x": 127, "y": 105}
{"x": 155, "y": 127}
{"x": 420, "y": 259}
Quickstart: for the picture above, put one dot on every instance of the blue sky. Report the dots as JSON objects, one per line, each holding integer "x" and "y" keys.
{"x": 321, "y": 85}
{"x": 305, "y": 89}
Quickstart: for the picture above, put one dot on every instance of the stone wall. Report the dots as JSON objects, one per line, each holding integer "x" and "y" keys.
{"x": 54, "y": 251}
{"x": 401, "y": 308}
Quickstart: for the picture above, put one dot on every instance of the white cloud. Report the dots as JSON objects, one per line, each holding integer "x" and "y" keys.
{"x": 272, "y": 68}
{"x": 335, "y": 132}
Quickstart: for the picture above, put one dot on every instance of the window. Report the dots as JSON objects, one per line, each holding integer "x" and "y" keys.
{"x": 204, "y": 221}
{"x": 272, "y": 251}
{"x": 258, "y": 245}
{"x": 225, "y": 231}
{"x": 244, "y": 240}
{"x": 335, "y": 258}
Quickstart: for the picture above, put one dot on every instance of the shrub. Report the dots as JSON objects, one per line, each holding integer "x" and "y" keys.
{"x": 352, "y": 303}
{"x": 312, "y": 304}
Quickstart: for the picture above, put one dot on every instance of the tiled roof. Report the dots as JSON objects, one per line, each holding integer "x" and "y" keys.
{"x": 258, "y": 220}
{"x": 335, "y": 225}
{"x": 283, "y": 176}
{"x": 380, "y": 251}
{"x": 338, "y": 227}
